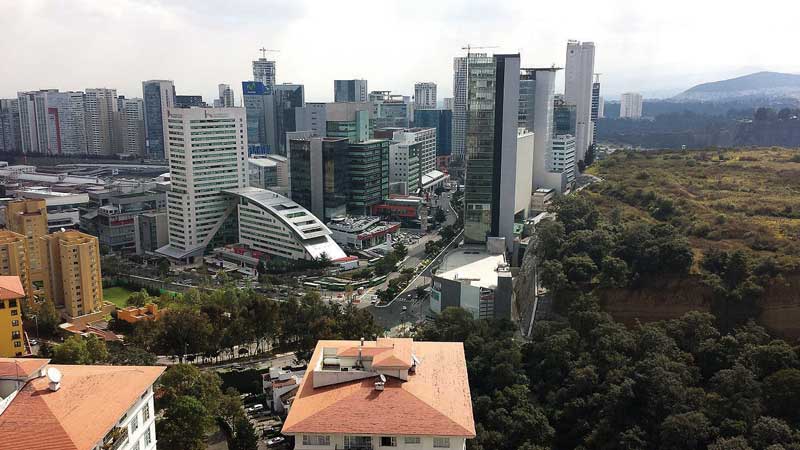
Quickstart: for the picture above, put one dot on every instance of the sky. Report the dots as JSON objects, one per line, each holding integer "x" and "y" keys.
{"x": 656, "y": 48}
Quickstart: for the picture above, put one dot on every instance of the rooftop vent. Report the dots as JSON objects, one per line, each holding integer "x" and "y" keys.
{"x": 379, "y": 385}
{"x": 54, "y": 375}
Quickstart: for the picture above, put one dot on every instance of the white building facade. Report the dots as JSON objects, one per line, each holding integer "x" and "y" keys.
{"x": 264, "y": 71}
{"x": 578, "y": 91}
{"x": 426, "y": 138}
{"x": 630, "y": 106}
{"x": 425, "y": 95}
{"x": 101, "y": 111}
{"x": 207, "y": 152}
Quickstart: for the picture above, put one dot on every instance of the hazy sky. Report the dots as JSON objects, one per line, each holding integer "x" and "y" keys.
{"x": 658, "y": 48}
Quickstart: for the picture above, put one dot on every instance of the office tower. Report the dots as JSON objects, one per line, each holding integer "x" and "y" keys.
{"x": 563, "y": 161}
{"x": 319, "y": 175}
{"x": 28, "y": 217}
{"x": 264, "y": 72}
{"x": 404, "y": 167}
{"x": 259, "y": 106}
{"x": 158, "y": 95}
{"x": 71, "y": 268}
{"x": 350, "y": 91}
{"x": 14, "y": 259}
{"x": 425, "y": 95}
{"x": 349, "y": 120}
{"x": 269, "y": 172}
{"x": 491, "y": 147}
{"x": 287, "y": 98}
{"x": 10, "y": 137}
{"x": 448, "y": 103}
{"x": 207, "y": 150}
{"x": 311, "y": 117}
{"x": 190, "y": 101}
{"x": 369, "y": 175}
{"x": 12, "y": 339}
{"x": 111, "y": 215}
{"x": 442, "y": 121}
{"x": 578, "y": 91}
{"x": 630, "y": 105}
{"x": 564, "y": 117}
{"x": 601, "y": 105}
{"x": 225, "y": 96}
{"x": 595, "y": 105}
{"x": 426, "y": 138}
{"x": 131, "y": 126}
{"x": 390, "y": 110}
{"x": 101, "y": 111}
{"x": 536, "y": 114}
{"x": 459, "y": 106}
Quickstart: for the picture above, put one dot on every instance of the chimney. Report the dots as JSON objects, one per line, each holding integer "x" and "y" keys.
{"x": 360, "y": 358}
{"x": 379, "y": 385}
{"x": 54, "y": 375}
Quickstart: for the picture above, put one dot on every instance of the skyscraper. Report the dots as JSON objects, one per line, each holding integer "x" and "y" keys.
{"x": 491, "y": 147}
{"x": 52, "y": 122}
{"x": 536, "y": 114}
{"x": 601, "y": 104}
{"x": 260, "y": 110}
{"x": 225, "y": 95}
{"x": 131, "y": 126}
{"x": 442, "y": 121}
{"x": 595, "y": 105}
{"x": 319, "y": 173}
{"x": 287, "y": 97}
{"x": 460, "y": 104}
{"x": 425, "y": 95}
{"x": 264, "y": 72}
{"x": 630, "y": 105}
{"x": 369, "y": 175}
{"x": 101, "y": 111}
{"x": 350, "y": 91}
{"x": 207, "y": 149}
{"x": 578, "y": 91}
{"x": 10, "y": 138}
{"x": 564, "y": 117}
{"x": 159, "y": 96}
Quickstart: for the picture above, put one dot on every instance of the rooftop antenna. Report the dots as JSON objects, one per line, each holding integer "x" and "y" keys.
{"x": 265, "y": 50}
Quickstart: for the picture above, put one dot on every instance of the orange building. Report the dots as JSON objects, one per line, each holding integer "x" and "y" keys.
{"x": 28, "y": 217}
{"x": 14, "y": 259}
{"x": 71, "y": 261}
{"x": 12, "y": 341}
{"x": 133, "y": 314}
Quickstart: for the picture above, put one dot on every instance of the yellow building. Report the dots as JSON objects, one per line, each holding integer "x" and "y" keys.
{"x": 28, "y": 217}
{"x": 71, "y": 263}
{"x": 14, "y": 259}
{"x": 12, "y": 342}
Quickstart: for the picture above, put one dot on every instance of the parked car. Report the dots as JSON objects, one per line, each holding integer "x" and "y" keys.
{"x": 255, "y": 408}
{"x": 275, "y": 441}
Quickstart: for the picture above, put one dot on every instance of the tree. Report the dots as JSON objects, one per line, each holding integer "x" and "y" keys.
{"x": 130, "y": 355}
{"x": 185, "y": 331}
{"x": 440, "y": 216}
{"x": 782, "y": 394}
{"x": 770, "y": 431}
{"x": 47, "y": 317}
{"x": 686, "y": 431}
{"x": 139, "y": 299}
{"x": 164, "y": 267}
{"x": 400, "y": 251}
{"x": 580, "y": 269}
{"x": 184, "y": 425}
{"x": 80, "y": 350}
{"x": 614, "y": 273}
{"x": 261, "y": 268}
{"x": 183, "y": 380}
{"x": 244, "y": 435}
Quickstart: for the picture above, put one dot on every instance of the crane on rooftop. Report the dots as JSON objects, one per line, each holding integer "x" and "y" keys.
{"x": 265, "y": 50}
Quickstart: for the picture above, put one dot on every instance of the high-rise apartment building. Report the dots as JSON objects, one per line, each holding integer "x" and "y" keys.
{"x": 630, "y": 106}
{"x": 425, "y": 95}
{"x": 491, "y": 148}
{"x": 350, "y": 91}
{"x": 595, "y": 105}
{"x": 28, "y": 217}
{"x": 71, "y": 267}
{"x": 225, "y": 96}
{"x": 12, "y": 339}
{"x": 207, "y": 150}
{"x": 52, "y": 122}
{"x": 442, "y": 121}
{"x": 14, "y": 259}
{"x": 264, "y": 72}
{"x": 320, "y": 180}
{"x": 369, "y": 175}
{"x": 578, "y": 92}
{"x": 101, "y": 110}
{"x": 10, "y": 138}
{"x": 131, "y": 128}
{"x": 159, "y": 96}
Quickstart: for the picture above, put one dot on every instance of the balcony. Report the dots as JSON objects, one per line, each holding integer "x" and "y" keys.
{"x": 115, "y": 438}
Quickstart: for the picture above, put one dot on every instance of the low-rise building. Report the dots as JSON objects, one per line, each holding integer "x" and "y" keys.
{"x": 12, "y": 337}
{"x": 477, "y": 279}
{"x": 70, "y": 407}
{"x": 280, "y": 387}
{"x": 361, "y": 232}
{"x": 151, "y": 233}
{"x": 133, "y": 314}
{"x": 111, "y": 216}
{"x": 387, "y": 393}
{"x": 541, "y": 199}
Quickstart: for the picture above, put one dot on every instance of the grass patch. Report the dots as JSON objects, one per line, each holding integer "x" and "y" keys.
{"x": 117, "y": 295}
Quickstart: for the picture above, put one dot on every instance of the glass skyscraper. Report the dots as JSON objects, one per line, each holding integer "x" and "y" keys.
{"x": 442, "y": 120}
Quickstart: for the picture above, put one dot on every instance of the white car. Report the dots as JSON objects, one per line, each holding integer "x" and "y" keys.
{"x": 255, "y": 408}
{"x": 275, "y": 441}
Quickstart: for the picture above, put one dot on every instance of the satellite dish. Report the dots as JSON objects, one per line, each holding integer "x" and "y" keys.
{"x": 54, "y": 374}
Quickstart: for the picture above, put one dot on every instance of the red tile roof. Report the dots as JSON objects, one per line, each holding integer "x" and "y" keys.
{"x": 434, "y": 401}
{"x": 11, "y": 287}
{"x": 88, "y": 405}
{"x": 20, "y": 367}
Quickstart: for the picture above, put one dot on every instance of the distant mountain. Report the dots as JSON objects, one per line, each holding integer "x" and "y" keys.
{"x": 760, "y": 87}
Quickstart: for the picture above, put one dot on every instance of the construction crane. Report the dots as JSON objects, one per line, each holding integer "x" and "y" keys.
{"x": 469, "y": 48}
{"x": 265, "y": 50}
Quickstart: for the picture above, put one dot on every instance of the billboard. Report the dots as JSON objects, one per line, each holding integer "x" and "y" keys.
{"x": 255, "y": 88}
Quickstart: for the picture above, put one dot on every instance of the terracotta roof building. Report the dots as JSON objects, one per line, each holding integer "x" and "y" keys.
{"x": 63, "y": 407}
{"x": 384, "y": 393}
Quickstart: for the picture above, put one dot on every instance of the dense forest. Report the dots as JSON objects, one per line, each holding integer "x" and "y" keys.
{"x": 673, "y": 129}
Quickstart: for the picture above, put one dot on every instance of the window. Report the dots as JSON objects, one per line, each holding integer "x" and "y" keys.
{"x": 146, "y": 413}
{"x": 12, "y": 303}
{"x": 17, "y": 344}
{"x": 441, "y": 442}
{"x": 134, "y": 423}
{"x": 147, "y": 438}
{"x": 316, "y": 439}
{"x": 135, "y": 446}
{"x": 412, "y": 440}
{"x": 14, "y": 312}
{"x": 15, "y": 323}
{"x": 388, "y": 441}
